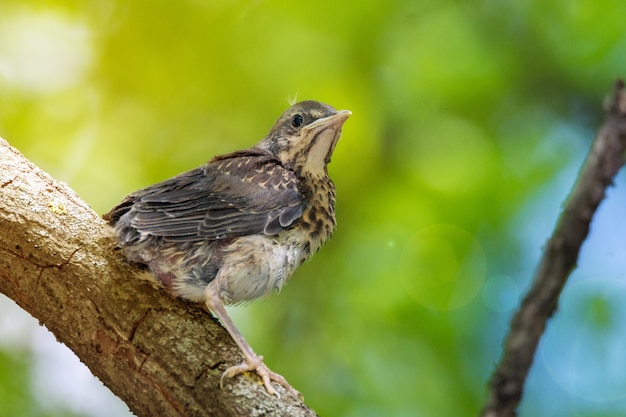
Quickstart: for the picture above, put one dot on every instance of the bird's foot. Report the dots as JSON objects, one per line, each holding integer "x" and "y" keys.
{"x": 255, "y": 364}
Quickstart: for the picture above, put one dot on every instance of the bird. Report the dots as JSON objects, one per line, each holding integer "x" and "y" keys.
{"x": 236, "y": 228}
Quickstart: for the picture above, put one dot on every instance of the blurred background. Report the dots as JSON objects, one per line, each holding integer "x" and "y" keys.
{"x": 470, "y": 122}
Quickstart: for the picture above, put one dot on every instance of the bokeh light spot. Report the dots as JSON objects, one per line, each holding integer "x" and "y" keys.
{"x": 583, "y": 349}
{"x": 500, "y": 293}
{"x": 443, "y": 267}
{"x": 43, "y": 51}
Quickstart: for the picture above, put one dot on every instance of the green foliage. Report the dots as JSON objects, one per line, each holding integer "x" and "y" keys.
{"x": 463, "y": 114}
{"x": 15, "y": 394}
{"x": 15, "y": 398}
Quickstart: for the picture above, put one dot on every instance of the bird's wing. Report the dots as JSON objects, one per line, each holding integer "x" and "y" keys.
{"x": 233, "y": 195}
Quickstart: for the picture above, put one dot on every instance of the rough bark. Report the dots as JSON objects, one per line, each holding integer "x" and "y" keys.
{"x": 162, "y": 356}
{"x": 559, "y": 258}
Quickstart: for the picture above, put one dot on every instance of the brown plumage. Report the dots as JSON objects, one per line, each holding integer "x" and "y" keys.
{"x": 236, "y": 228}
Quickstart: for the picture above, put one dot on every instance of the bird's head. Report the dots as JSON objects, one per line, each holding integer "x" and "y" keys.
{"x": 304, "y": 136}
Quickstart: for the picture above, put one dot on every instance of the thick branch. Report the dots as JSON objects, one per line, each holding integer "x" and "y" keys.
{"x": 605, "y": 159}
{"x": 161, "y": 355}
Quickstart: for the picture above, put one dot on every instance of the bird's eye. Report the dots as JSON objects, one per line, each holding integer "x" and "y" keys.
{"x": 297, "y": 120}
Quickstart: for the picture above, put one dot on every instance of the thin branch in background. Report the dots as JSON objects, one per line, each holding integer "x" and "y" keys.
{"x": 605, "y": 159}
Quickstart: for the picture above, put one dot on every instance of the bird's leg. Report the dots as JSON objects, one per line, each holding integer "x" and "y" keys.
{"x": 252, "y": 361}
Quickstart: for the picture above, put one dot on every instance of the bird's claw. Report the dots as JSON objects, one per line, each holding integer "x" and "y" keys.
{"x": 256, "y": 364}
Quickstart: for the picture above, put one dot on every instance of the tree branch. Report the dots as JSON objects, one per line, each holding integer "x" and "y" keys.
{"x": 161, "y": 355}
{"x": 559, "y": 258}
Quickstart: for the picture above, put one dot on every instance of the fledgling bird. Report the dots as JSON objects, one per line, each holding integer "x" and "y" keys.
{"x": 236, "y": 228}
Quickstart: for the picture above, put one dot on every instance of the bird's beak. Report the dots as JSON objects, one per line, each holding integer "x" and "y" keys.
{"x": 322, "y": 136}
{"x": 334, "y": 120}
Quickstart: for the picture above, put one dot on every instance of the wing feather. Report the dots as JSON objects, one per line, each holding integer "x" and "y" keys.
{"x": 233, "y": 195}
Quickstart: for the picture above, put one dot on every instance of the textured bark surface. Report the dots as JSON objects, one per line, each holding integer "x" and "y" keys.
{"x": 161, "y": 355}
{"x": 559, "y": 258}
